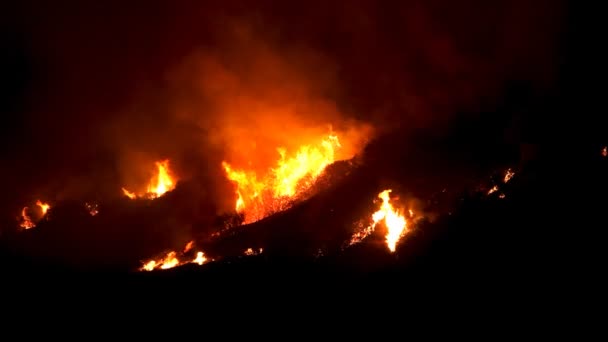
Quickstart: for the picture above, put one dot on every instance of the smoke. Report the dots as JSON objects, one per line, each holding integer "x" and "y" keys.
{"x": 118, "y": 86}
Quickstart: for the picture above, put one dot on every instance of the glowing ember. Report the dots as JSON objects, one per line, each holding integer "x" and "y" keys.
{"x": 26, "y": 221}
{"x": 92, "y": 208}
{"x": 493, "y": 190}
{"x": 200, "y": 258}
{"x": 44, "y": 207}
{"x": 508, "y": 175}
{"x": 361, "y": 234}
{"x": 162, "y": 182}
{"x": 605, "y": 151}
{"x": 258, "y": 197}
{"x": 250, "y": 251}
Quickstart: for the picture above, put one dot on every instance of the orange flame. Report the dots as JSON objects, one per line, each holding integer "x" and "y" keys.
{"x": 129, "y": 194}
{"x": 394, "y": 221}
{"x": 605, "y": 152}
{"x": 26, "y": 221}
{"x": 508, "y": 175}
{"x": 171, "y": 260}
{"x": 43, "y": 206}
{"x": 250, "y": 251}
{"x": 258, "y": 197}
{"x": 200, "y": 258}
{"x": 162, "y": 182}
{"x": 168, "y": 261}
{"x": 189, "y": 246}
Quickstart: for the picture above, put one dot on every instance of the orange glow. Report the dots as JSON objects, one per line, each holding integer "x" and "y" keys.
{"x": 162, "y": 182}
{"x": 168, "y": 261}
{"x": 189, "y": 246}
{"x": 129, "y": 194}
{"x": 200, "y": 258}
{"x": 26, "y": 221}
{"x": 493, "y": 190}
{"x": 605, "y": 151}
{"x": 171, "y": 259}
{"x": 44, "y": 207}
{"x": 508, "y": 175}
{"x": 250, "y": 251}
{"x": 92, "y": 208}
{"x": 260, "y": 195}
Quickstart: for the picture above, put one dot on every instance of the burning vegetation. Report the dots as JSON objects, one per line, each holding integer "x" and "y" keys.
{"x": 26, "y": 221}
{"x": 172, "y": 259}
{"x": 162, "y": 181}
{"x": 259, "y": 195}
{"x": 392, "y": 219}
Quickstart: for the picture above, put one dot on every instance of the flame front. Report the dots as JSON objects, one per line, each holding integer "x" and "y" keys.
{"x": 257, "y": 197}
{"x": 162, "y": 182}
{"x": 44, "y": 207}
{"x": 171, "y": 259}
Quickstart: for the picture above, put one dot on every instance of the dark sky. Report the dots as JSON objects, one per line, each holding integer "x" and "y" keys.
{"x": 86, "y": 85}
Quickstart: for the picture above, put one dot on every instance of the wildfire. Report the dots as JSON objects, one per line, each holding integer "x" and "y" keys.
{"x": 171, "y": 259}
{"x": 162, "y": 182}
{"x": 26, "y": 221}
{"x": 43, "y": 206}
{"x": 257, "y": 197}
{"x": 200, "y": 258}
{"x": 394, "y": 220}
{"x": 250, "y": 251}
{"x": 189, "y": 246}
{"x": 507, "y": 177}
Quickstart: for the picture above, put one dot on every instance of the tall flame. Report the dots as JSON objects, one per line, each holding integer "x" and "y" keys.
{"x": 162, "y": 182}
{"x": 394, "y": 221}
{"x": 258, "y": 197}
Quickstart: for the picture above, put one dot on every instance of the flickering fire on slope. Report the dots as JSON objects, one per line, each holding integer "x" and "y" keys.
{"x": 26, "y": 221}
{"x": 261, "y": 195}
{"x": 507, "y": 177}
{"x": 162, "y": 182}
{"x": 171, "y": 260}
{"x": 43, "y": 206}
{"x": 394, "y": 220}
